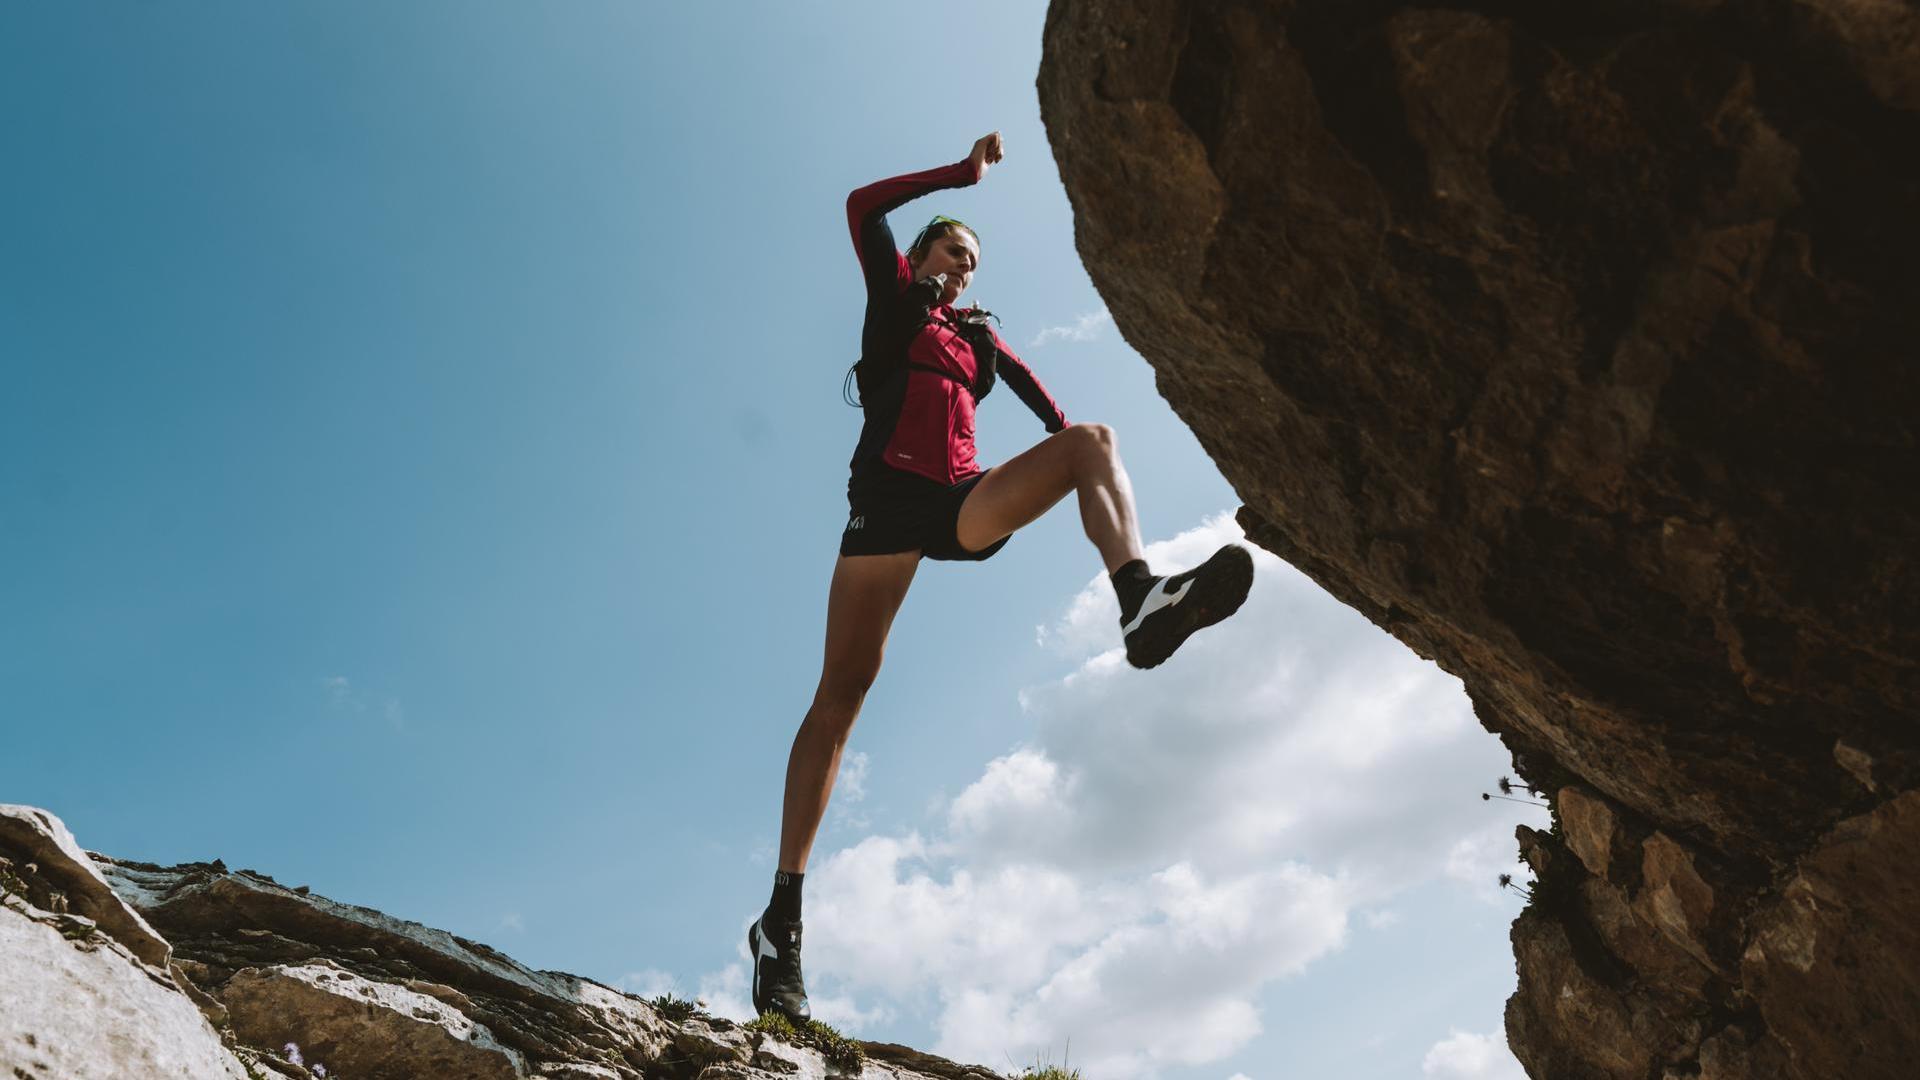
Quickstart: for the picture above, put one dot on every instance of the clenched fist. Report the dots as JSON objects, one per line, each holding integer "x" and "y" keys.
{"x": 987, "y": 150}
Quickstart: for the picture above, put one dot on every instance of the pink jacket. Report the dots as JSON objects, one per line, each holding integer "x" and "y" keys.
{"x": 919, "y": 412}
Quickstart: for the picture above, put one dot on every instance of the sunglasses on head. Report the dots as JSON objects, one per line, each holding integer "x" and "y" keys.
{"x": 926, "y": 234}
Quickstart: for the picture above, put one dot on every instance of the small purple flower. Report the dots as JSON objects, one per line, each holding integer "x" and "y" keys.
{"x": 320, "y": 1070}
{"x": 292, "y": 1053}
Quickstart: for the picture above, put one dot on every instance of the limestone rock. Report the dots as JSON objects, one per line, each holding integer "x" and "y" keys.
{"x": 1833, "y": 952}
{"x": 226, "y": 922}
{"x": 94, "y": 1013}
{"x": 249, "y": 966}
{"x": 1651, "y": 955}
{"x": 375, "y": 996}
{"x": 1566, "y": 993}
{"x": 29, "y": 835}
{"x": 1593, "y": 830}
{"x": 894, "y": 1059}
{"x": 86, "y": 992}
{"x": 1673, "y": 897}
{"x": 363, "y": 1028}
{"x": 1573, "y": 345}
{"x": 1734, "y": 1055}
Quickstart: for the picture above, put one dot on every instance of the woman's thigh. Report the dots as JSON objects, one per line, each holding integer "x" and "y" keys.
{"x": 1017, "y": 491}
{"x": 866, "y": 594}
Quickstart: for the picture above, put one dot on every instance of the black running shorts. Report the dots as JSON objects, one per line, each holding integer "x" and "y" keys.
{"x": 892, "y": 510}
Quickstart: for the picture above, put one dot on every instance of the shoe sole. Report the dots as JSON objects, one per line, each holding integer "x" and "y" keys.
{"x": 1216, "y": 594}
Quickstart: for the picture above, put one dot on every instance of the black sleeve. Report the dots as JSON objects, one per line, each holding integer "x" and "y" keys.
{"x": 867, "y": 210}
{"x": 1026, "y": 387}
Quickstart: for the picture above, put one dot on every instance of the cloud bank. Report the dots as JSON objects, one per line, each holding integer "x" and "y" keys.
{"x": 1085, "y": 328}
{"x": 1170, "y": 842}
{"x": 1463, "y": 1055}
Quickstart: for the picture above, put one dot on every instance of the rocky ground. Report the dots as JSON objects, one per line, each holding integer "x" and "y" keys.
{"x": 117, "y": 970}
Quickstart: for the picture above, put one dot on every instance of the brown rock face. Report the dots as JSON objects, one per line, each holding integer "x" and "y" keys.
{"x": 364, "y": 1027}
{"x": 1846, "y": 918}
{"x": 1575, "y": 345}
{"x": 254, "y": 979}
{"x": 373, "y": 996}
{"x": 86, "y": 989}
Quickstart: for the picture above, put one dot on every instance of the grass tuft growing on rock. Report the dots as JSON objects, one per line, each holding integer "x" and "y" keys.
{"x": 841, "y": 1052}
{"x": 1045, "y": 1069}
{"x": 673, "y": 1008}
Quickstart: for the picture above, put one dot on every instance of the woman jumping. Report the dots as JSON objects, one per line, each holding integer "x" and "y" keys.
{"x": 916, "y": 492}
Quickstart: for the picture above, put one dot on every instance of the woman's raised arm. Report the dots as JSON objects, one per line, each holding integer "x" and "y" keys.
{"x": 868, "y": 207}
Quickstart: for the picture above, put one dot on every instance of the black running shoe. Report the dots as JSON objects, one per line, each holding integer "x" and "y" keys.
{"x": 1177, "y": 606}
{"x": 777, "y": 987}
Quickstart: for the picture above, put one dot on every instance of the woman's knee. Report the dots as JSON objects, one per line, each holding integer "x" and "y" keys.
{"x": 825, "y": 729}
{"x": 1096, "y": 443}
{"x": 841, "y": 693}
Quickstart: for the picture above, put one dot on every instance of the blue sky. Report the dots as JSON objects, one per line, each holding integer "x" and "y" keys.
{"x": 422, "y": 466}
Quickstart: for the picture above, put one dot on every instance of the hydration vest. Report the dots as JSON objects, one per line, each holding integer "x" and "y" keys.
{"x": 872, "y": 375}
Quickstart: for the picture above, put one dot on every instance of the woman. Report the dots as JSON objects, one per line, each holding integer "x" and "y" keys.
{"x": 916, "y": 492}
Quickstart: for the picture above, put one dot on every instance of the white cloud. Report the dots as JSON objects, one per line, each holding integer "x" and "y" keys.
{"x": 1138, "y": 971}
{"x": 1465, "y": 1056}
{"x": 840, "y": 1011}
{"x": 1167, "y": 843}
{"x": 849, "y": 790}
{"x": 1294, "y": 730}
{"x": 852, "y": 784}
{"x": 342, "y": 695}
{"x": 1085, "y": 328}
{"x": 649, "y": 983}
{"x": 512, "y": 921}
{"x": 1479, "y": 858}
{"x": 725, "y": 992}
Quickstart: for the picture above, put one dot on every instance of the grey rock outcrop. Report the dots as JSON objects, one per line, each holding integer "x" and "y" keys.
{"x": 116, "y": 969}
{"x": 1574, "y": 344}
{"x": 87, "y": 989}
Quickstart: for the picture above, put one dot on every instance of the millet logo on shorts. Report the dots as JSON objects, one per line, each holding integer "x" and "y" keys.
{"x": 856, "y": 522}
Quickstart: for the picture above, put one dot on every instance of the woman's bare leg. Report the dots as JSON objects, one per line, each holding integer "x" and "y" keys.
{"x": 1157, "y": 613}
{"x": 1081, "y": 458}
{"x": 866, "y": 594}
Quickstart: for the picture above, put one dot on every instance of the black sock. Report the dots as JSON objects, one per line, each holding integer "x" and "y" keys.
{"x": 785, "y": 905}
{"x": 1130, "y": 584}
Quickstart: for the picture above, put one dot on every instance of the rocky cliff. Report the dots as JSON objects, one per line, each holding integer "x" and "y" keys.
{"x": 1574, "y": 344}
{"x": 111, "y": 970}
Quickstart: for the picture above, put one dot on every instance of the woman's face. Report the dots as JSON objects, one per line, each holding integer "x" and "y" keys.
{"x": 955, "y": 254}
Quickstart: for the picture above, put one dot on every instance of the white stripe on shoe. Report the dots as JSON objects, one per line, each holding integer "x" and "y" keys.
{"x": 766, "y": 951}
{"x": 1159, "y": 598}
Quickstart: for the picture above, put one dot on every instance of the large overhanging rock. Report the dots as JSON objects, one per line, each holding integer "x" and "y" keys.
{"x": 1575, "y": 345}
